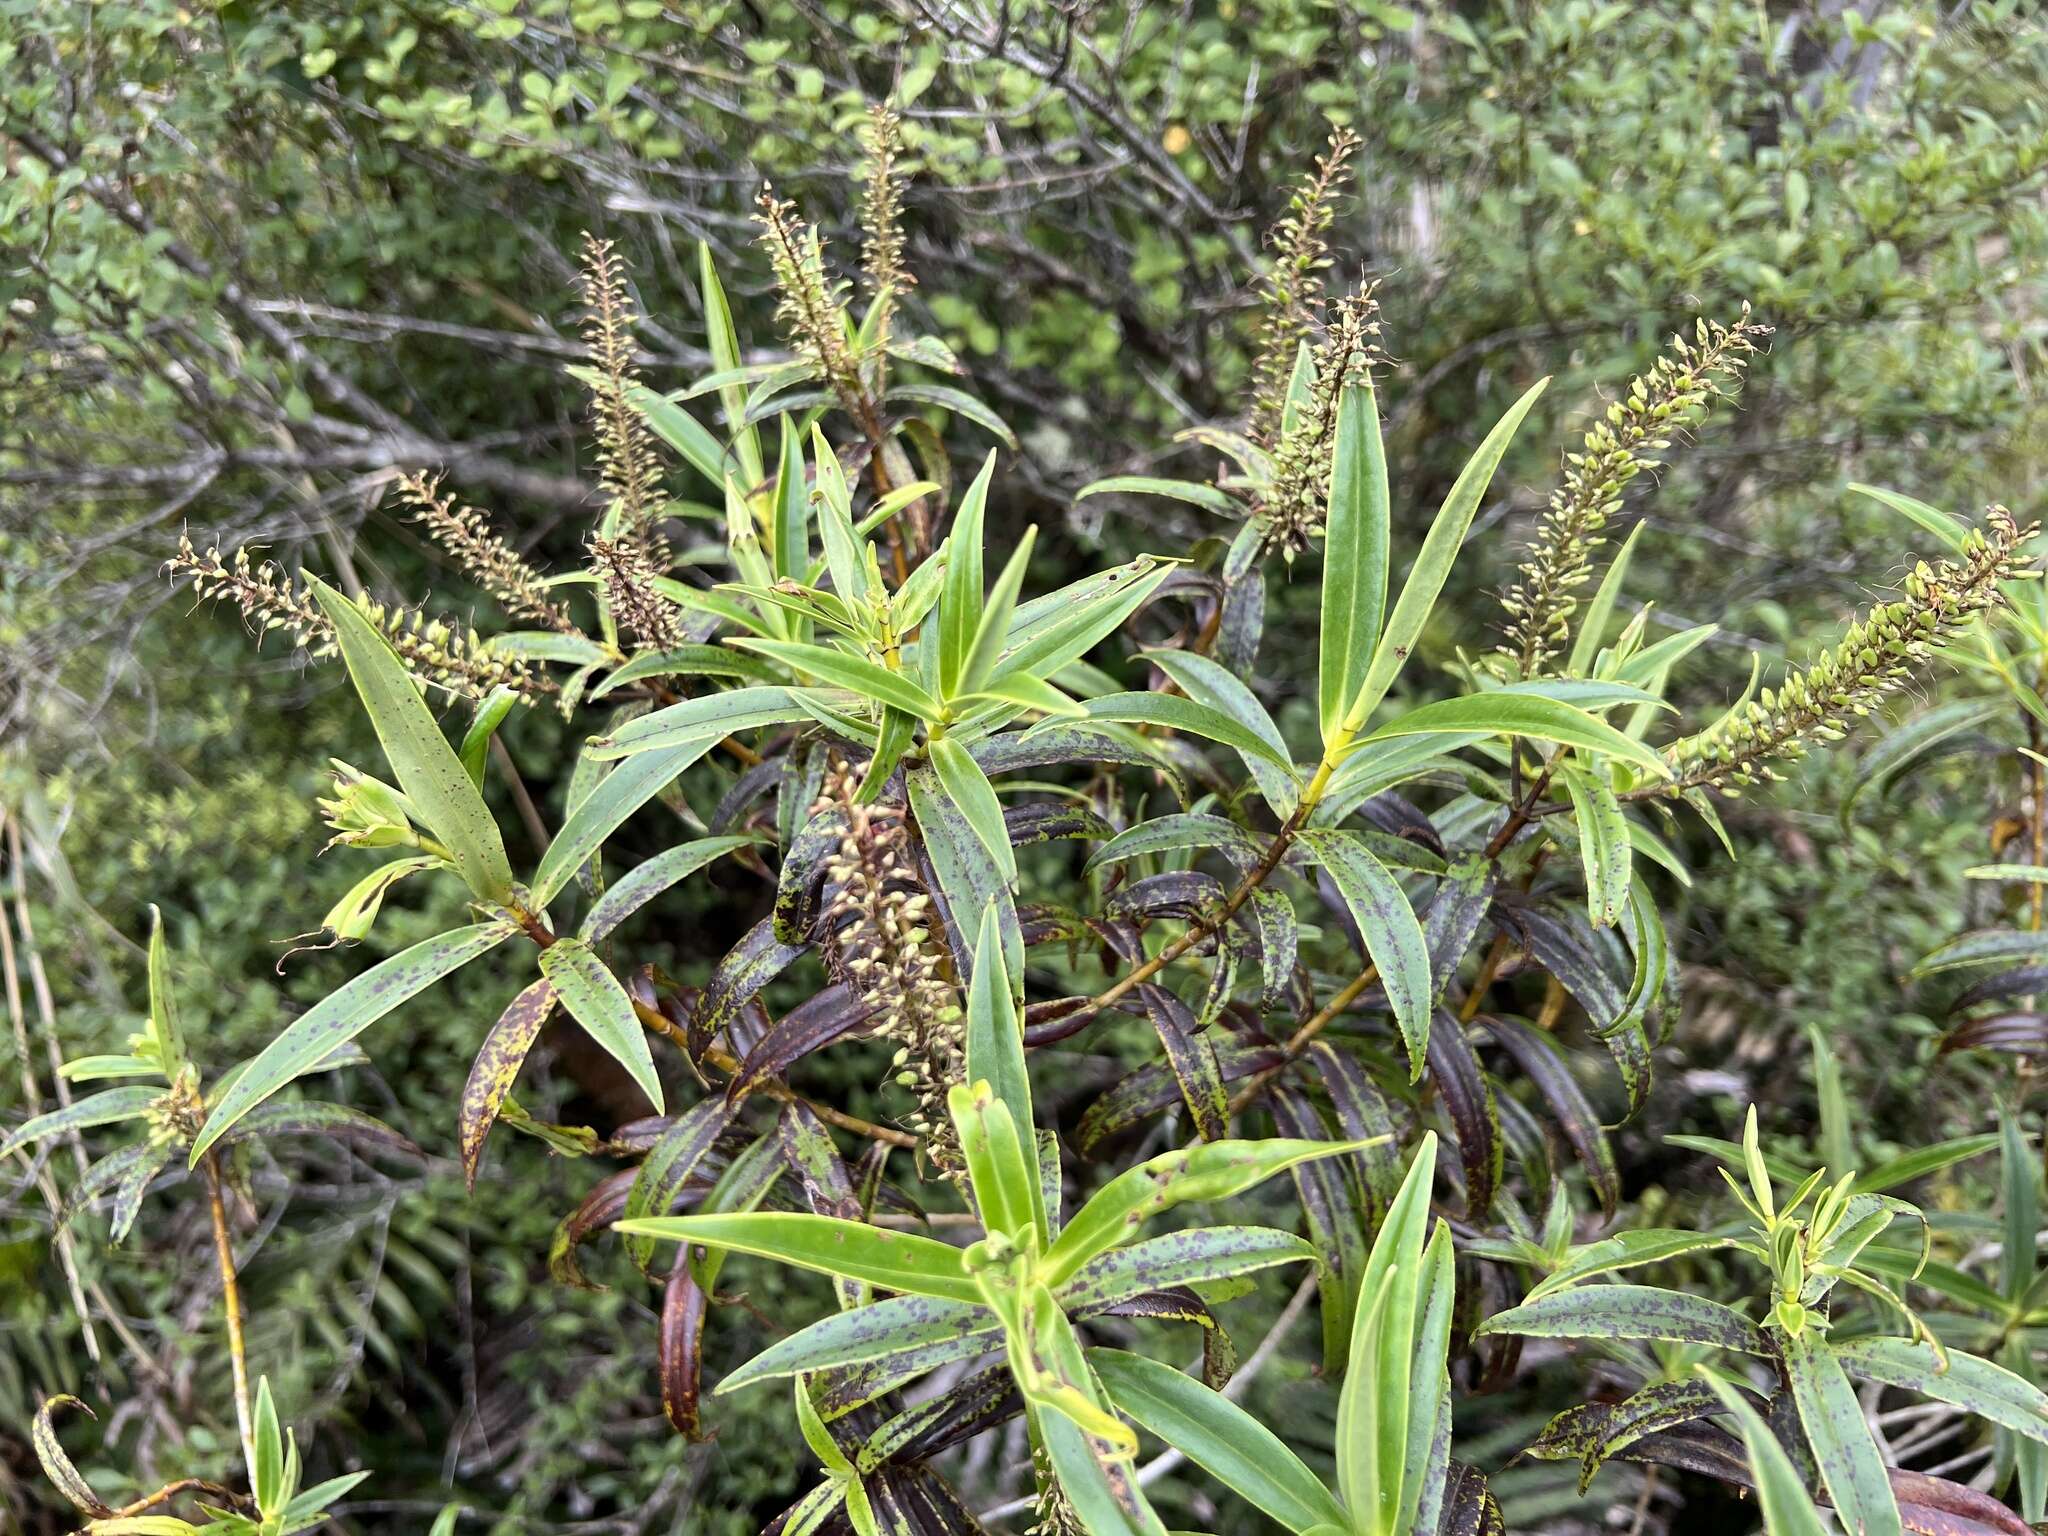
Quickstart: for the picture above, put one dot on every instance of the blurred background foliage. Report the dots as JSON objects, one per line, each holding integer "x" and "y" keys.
{"x": 256, "y": 258}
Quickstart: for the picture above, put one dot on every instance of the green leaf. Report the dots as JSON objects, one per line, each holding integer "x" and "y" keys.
{"x": 1179, "y": 714}
{"x": 1433, "y": 565}
{"x": 791, "y": 546}
{"x": 428, "y": 770}
{"x": 604, "y": 810}
{"x": 1212, "y": 1171}
{"x": 1393, "y": 935}
{"x": 723, "y": 340}
{"x": 680, "y": 430}
{"x": 1194, "y": 492}
{"x": 1947, "y": 529}
{"x": 896, "y": 1261}
{"x": 992, "y": 633}
{"x": 1356, "y": 550}
{"x": 1219, "y": 1437}
{"x": 266, "y": 1466}
{"x": 1002, "y": 1178}
{"x": 918, "y": 1328}
{"x": 1394, "y": 1384}
{"x": 1624, "y": 1250}
{"x": 1207, "y": 682}
{"x": 632, "y": 891}
{"x": 714, "y": 715}
{"x": 1506, "y": 712}
{"x": 106, "y": 1108}
{"x": 971, "y": 882}
{"x": 1788, "y": 1510}
{"x": 1026, "y": 693}
{"x": 869, "y": 679}
{"x": 1850, "y": 1464}
{"x": 959, "y": 403}
{"x": 995, "y": 1041}
{"x": 975, "y": 798}
{"x": 476, "y": 741}
{"x": 1051, "y": 632}
{"x": 166, "y": 1033}
{"x": 341, "y": 1016}
{"x": 1196, "y": 1257}
{"x": 1604, "y": 846}
{"x": 1897, "y": 751}
{"x": 960, "y": 606}
{"x": 1973, "y": 1384}
{"x": 1630, "y": 1312}
{"x": 596, "y": 1001}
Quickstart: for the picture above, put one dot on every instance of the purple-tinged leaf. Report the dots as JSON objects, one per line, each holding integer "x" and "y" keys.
{"x": 1475, "y": 1118}
{"x": 1191, "y": 1055}
{"x": 335, "y": 1122}
{"x": 755, "y": 961}
{"x": 1546, "y": 1066}
{"x": 683, "y": 1309}
{"x": 813, "y": 1024}
{"x": 670, "y": 1166}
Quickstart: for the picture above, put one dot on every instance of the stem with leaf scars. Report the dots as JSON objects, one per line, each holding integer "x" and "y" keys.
{"x": 231, "y": 1303}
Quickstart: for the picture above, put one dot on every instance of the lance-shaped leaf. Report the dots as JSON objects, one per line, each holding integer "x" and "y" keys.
{"x": 925, "y": 1327}
{"x": 995, "y": 1048}
{"x": 1605, "y": 850}
{"x": 1624, "y": 1250}
{"x": 968, "y": 788}
{"x": 1630, "y": 1312}
{"x": 714, "y": 715}
{"x": 1051, "y": 632}
{"x": 1538, "y": 1056}
{"x": 1194, "y": 1257}
{"x": 107, "y": 1108}
{"x": 601, "y": 812}
{"x": 1788, "y": 1510}
{"x": 1591, "y": 1433}
{"x": 598, "y": 1003}
{"x": 1090, "y": 1448}
{"x": 1392, "y": 934}
{"x": 1394, "y": 1383}
{"x": 332, "y": 1122}
{"x": 840, "y": 670}
{"x": 341, "y": 1016}
{"x": 896, "y": 1261}
{"x": 970, "y": 881}
{"x": 496, "y": 1068}
{"x": 1850, "y": 1464}
{"x": 166, "y": 1033}
{"x": 1433, "y": 566}
{"x": 1213, "y": 1171}
{"x": 1220, "y": 1438}
{"x": 670, "y": 1164}
{"x": 1356, "y": 546}
{"x": 960, "y": 605}
{"x": 1506, "y": 712}
{"x": 749, "y": 966}
{"x": 56, "y": 1465}
{"x": 1185, "y": 715}
{"x": 633, "y": 890}
{"x": 1209, "y": 682}
{"x": 1967, "y": 1381}
{"x": 428, "y": 770}
{"x": 1000, "y": 1174}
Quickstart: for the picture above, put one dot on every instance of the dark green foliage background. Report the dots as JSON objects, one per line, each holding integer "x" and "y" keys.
{"x": 400, "y": 185}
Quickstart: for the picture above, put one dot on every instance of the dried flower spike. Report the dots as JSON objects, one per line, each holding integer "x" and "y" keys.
{"x": 483, "y": 554}
{"x": 1674, "y": 395}
{"x": 628, "y": 464}
{"x": 1292, "y": 291}
{"x": 628, "y": 577}
{"x": 451, "y": 657}
{"x": 1297, "y": 499}
{"x": 1876, "y": 657}
{"x": 810, "y": 305}
{"x": 881, "y": 207}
